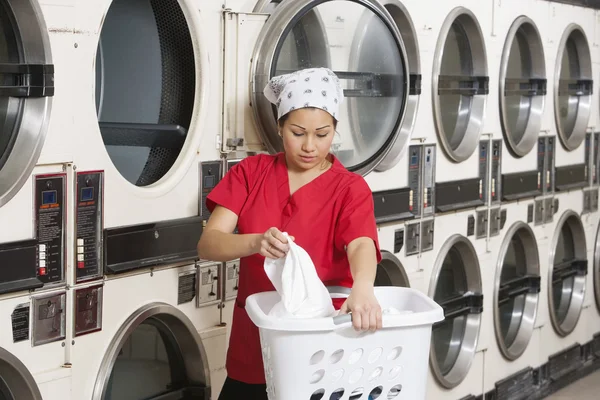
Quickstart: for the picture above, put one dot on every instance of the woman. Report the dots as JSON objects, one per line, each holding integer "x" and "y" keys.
{"x": 306, "y": 192}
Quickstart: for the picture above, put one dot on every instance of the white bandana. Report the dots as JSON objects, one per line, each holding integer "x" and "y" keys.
{"x": 313, "y": 87}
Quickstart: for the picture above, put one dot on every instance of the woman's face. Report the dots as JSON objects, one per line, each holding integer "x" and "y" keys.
{"x": 307, "y": 135}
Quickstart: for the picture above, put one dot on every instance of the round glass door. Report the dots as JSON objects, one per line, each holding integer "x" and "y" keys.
{"x": 517, "y": 288}
{"x": 360, "y": 42}
{"x": 457, "y": 288}
{"x": 155, "y": 346}
{"x": 145, "y": 86}
{"x": 522, "y": 86}
{"x": 390, "y": 271}
{"x": 26, "y": 89}
{"x": 568, "y": 272}
{"x": 573, "y": 87}
{"x": 460, "y": 84}
{"x": 16, "y": 382}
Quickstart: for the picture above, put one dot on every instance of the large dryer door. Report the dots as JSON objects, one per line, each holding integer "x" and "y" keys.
{"x": 573, "y": 86}
{"x": 522, "y": 86}
{"x": 360, "y": 42}
{"x": 26, "y": 90}
{"x": 456, "y": 286}
{"x": 145, "y": 87}
{"x": 516, "y": 293}
{"x": 159, "y": 350}
{"x": 16, "y": 383}
{"x": 567, "y": 273}
{"x": 390, "y": 271}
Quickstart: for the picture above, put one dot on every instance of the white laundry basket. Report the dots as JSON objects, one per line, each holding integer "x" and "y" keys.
{"x": 323, "y": 359}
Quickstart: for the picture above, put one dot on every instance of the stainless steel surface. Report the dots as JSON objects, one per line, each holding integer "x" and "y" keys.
{"x": 522, "y": 58}
{"x": 179, "y": 326}
{"x": 519, "y": 252}
{"x": 570, "y": 236}
{"x": 458, "y": 258}
{"x": 390, "y": 271}
{"x": 272, "y": 37}
{"x": 16, "y": 379}
{"x": 32, "y": 126}
{"x": 573, "y": 61}
{"x": 459, "y": 121}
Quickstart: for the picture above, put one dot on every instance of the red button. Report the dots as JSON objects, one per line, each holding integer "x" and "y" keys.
{"x": 80, "y": 264}
{"x": 42, "y": 271}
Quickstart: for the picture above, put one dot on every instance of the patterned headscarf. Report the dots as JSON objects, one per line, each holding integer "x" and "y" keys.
{"x": 313, "y": 87}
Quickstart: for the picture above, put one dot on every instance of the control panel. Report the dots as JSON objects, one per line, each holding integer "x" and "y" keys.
{"x": 88, "y": 310}
{"x": 232, "y": 274}
{"x": 412, "y": 238}
{"x": 50, "y": 196}
{"x": 89, "y": 225}
{"x": 429, "y": 152}
{"x": 595, "y": 163}
{"x": 49, "y": 320}
{"x": 210, "y": 176}
{"x": 549, "y": 164}
{"x": 484, "y": 152}
{"x": 209, "y": 291}
{"x": 589, "y": 147}
{"x": 415, "y": 155}
{"x": 427, "y": 231}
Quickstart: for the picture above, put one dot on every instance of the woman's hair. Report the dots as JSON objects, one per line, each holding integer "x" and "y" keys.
{"x": 284, "y": 118}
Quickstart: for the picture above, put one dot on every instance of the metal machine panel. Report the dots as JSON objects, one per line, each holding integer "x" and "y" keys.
{"x": 210, "y": 175}
{"x": 50, "y": 216}
{"x": 88, "y": 310}
{"x": 208, "y": 280}
{"x": 232, "y": 274}
{"x": 89, "y": 212}
{"x": 392, "y": 205}
{"x": 415, "y": 160}
{"x": 49, "y": 318}
{"x": 496, "y": 183}
{"x": 429, "y": 179}
{"x": 18, "y": 261}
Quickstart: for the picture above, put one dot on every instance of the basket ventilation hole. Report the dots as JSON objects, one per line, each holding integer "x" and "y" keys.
{"x": 357, "y": 393}
{"x": 318, "y": 395}
{"x": 317, "y": 376}
{"x": 376, "y": 374}
{"x": 356, "y": 375}
{"x": 394, "y": 392}
{"x": 375, "y": 354}
{"x": 337, "y": 356}
{"x": 317, "y": 357}
{"x": 394, "y": 372}
{"x": 337, "y": 375}
{"x": 375, "y": 393}
{"x": 337, "y": 394}
{"x": 355, "y": 356}
{"x": 395, "y": 353}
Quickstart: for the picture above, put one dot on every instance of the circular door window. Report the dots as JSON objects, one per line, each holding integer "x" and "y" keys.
{"x": 568, "y": 272}
{"x": 155, "y": 346}
{"x": 460, "y": 84}
{"x": 457, "y": 288}
{"x": 359, "y": 41}
{"x": 145, "y": 86}
{"x": 573, "y": 87}
{"x": 390, "y": 271}
{"x": 26, "y": 89}
{"x": 517, "y": 288}
{"x": 522, "y": 86}
{"x": 16, "y": 382}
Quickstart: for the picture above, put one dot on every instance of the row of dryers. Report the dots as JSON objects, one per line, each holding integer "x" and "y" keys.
{"x": 118, "y": 117}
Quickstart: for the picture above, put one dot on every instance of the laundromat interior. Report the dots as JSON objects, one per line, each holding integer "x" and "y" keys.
{"x": 475, "y": 123}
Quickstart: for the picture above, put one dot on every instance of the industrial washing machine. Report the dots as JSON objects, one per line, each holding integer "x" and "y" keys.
{"x": 36, "y": 50}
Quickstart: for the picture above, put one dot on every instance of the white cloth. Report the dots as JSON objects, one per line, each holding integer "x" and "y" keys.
{"x": 312, "y": 87}
{"x": 295, "y": 278}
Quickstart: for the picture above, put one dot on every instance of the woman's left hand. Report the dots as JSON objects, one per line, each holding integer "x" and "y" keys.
{"x": 366, "y": 311}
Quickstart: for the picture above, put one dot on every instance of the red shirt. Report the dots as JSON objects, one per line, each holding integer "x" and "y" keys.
{"x": 324, "y": 216}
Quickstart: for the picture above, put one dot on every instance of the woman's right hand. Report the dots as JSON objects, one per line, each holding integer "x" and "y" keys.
{"x": 273, "y": 244}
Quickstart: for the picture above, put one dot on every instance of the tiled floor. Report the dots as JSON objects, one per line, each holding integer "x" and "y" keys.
{"x": 587, "y": 388}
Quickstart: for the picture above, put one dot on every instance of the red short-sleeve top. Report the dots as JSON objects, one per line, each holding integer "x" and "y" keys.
{"x": 324, "y": 216}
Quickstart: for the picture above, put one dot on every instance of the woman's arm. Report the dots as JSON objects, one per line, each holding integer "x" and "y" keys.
{"x": 366, "y": 311}
{"x": 218, "y": 243}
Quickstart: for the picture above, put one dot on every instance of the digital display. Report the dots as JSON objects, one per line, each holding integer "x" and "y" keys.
{"x": 49, "y": 197}
{"x": 209, "y": 181}
{"x": 87, "y": 194}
